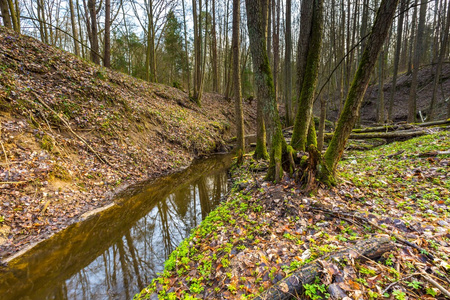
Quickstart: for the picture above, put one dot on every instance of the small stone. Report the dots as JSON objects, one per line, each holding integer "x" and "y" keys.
{"x": 323, "y": 224}
{"x": 442, "y": 223}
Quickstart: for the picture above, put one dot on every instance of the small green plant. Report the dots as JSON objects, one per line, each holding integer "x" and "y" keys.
{"x": 313, "y": 291}
{"x": 399, "y": 295}
{"x": 431, "y": 292}
{"x": 2, "y": 219}
{"x": 415, "y": 284}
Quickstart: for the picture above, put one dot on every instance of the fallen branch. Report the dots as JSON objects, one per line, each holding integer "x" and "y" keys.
{"x": 13, "y": 182}
{"x": 397, "y": 237}
{"x": 432, "y": 123}
{"x": 396, "y": 282}
{"x": 293, "y": 284}
{"x": 433, "y": 282}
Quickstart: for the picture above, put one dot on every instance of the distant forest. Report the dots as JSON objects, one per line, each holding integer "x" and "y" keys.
{"x": 187, "y": 44}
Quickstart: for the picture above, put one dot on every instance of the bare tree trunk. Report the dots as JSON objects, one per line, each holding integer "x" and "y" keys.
{"x": 83, "y": 47}
{"x": 74, "y": 28}
{"x": 261, "y": 144}
{"x": 323, "y": 115}
{"x": 287, "y": 66}
{"x": 94, "y": 32}
{"x": 398, "y": 47}
{"x": 276, "y": 44}
{"x": 240, "y": 134}
{"x": 107, "y": 52}
{"x": 14, "y": 16}
{"x": 350, "y": 113}
{"x": 417, "y": 54}
{"x": 413, "y": 37}
{"x": 438, "y": 72}
{"x": 303, "y": 44}
{"x": 187, "y": 68}
{"x": 197, "y": 50}
{"x": 380, "y": 107}
{"x": 214, "y": 49}
{"x": 5, "y": 14}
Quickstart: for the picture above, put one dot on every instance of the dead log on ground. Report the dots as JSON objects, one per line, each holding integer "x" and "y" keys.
{"x": 293, "y": 285}
{"x": 382, "y": 135}
{"x": 385, "y": 128}
{"x": 433, "y": 123}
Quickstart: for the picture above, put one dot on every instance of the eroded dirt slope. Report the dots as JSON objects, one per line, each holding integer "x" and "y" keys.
{"x": 73, "y": 133}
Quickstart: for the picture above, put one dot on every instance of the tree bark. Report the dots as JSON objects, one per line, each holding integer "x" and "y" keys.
{"x": 94, "y": 32}
{"x": 398, "y": 47}
{"x": 438, "y": 72}
{"x": 380, "y": 107}
{"x": 313, "y": 43}
{"x": 186, "y": 52}
{"x": 14, "y": 16}
{"x": 350, "y": 113}
{"x": 264, "y": 85}
{"x": 214, "y": 49}
{"x": 5, "y": 14}
{"x": 107, "y": 52}
{"x": 417, "y": 54}
{"x": 287, "y": 65}
{"x": 323, "y": 115}
{"x": 76, "y": 45}
{"x": 240, "y": 134}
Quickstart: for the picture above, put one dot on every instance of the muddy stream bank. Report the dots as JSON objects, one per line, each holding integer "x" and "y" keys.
{"x": 115, "y": 253}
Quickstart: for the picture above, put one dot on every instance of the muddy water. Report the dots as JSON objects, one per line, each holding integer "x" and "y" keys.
{"x": 116, "y": 253}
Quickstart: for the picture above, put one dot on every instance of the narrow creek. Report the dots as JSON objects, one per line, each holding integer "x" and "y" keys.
{"x": 116, "y": 253}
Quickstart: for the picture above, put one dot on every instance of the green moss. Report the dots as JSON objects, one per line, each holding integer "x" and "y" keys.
{"x": 59, "y": 172}
{"x": 47, "y": 143}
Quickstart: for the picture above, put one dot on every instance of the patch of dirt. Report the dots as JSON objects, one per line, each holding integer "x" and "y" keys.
{"x": 72, "y": 133}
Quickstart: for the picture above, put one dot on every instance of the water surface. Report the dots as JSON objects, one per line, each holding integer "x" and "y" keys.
{"x": 116, "y": 253}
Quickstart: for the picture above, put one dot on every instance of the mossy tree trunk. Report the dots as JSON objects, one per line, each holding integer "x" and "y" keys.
{"x": 5, "y": 14}
{"x": 350, "y": 112}
{"x": 261, "y": 148}
{"x": 237, "y": 80}
{"x": 308, "y": 72}
{"x": 264, "y": 84}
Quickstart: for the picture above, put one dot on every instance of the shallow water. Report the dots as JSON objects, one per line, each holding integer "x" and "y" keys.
{"x": 116, "y": 253}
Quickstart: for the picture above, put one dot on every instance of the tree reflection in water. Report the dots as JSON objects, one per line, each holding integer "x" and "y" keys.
{"x": 134, "y": 259}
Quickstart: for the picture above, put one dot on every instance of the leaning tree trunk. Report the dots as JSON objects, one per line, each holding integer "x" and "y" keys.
{"x": 310, "y": 74}
{"x": 350, "y": 113}
{"x": 237, "y": 80}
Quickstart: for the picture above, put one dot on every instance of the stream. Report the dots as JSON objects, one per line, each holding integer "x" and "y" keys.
{"x": 116, "y": 253}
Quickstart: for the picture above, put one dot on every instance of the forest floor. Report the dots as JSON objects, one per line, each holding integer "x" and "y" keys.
{"x": 265, "y": 232}
{"x": 73, "y": 134}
